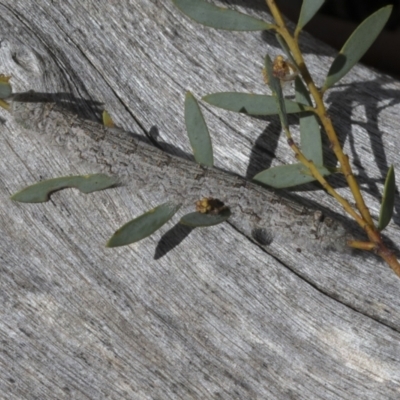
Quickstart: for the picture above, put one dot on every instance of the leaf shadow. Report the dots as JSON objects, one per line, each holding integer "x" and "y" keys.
{"x": 264, "y": 148}
{"x": 171, "y": 239}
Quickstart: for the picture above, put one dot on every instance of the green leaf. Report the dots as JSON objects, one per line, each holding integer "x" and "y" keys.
{"x": 220, "y": 18}
{"x": 275, "y": 85}
{"x": 388, "y": 200}
{"x": 356, "y": 46}
{"x": 284, "y": 176}
{"x": 310, "y": 132}
{"x": 197, "y": 131}
{"x": 144, "y": 225}
{"x": 308, "y": 10}
{"x": 251, "y": 104}
{"x": 196, "y": 219}
{"x": 40, "y": 192}
{"x": 285, "y": 49}
{"x": 5, "y": 90}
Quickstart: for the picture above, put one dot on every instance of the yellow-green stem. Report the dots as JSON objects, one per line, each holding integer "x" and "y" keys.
{"x": 356, "y": 244}
{"x": 317, "y": 175}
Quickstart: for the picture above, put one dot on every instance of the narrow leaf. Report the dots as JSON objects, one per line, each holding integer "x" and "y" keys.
{"x": 276, "y": 88}
{"x": 40, "y": 192}
{"x": 107, "y": 120}
{"x": 251, "y": 104}
{"x": 197, "y": 219}
{"x": 5, "y": 87}
{"x": 220, "y": 18}
{"x": 310, "y": 132}
{"x": 284, "y": 176}
{"x": 308, "y": 10}
{"x": 144, "y": 225}
{"x": 356, "y": 46}
{"x": 197, "y": 131}
{"x": 388, "y": 200}
{"x": 285, "y": 48}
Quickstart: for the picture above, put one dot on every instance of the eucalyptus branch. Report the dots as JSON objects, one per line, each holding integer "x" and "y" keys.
{"x": 365, "y": 220}
{"x": 320, "y": 109}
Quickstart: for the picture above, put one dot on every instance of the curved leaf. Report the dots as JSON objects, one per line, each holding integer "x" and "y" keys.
{"x": 275, "y": 85}
{"x": 40, "y": 192}
{"x": 197, "y": 219}
{"x": 220, "y": 18}
{"x": 308, "y": 10}
{"x": 310, "y": 132}
{"x": 356, "y": 46}
{"x": 144, "y": 225}
{"x": 284, "y": 176}
{"x": 251, "y": 104}
{"x": 388, "y": 200}
{"x": 5, "y": 87}
{"x": 197, "y": 131}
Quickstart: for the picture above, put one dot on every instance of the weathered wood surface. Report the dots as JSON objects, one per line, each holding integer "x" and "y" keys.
{"x": 216, "y": 316}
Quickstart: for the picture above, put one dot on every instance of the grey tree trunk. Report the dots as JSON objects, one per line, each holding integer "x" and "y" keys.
{"x": 207, "y": 313}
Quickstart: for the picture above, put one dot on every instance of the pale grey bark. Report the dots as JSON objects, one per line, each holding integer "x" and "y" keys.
{"x": 202, "y": 314}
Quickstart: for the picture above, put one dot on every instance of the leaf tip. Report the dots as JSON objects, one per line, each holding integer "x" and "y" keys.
{"x": 107, "y": 120}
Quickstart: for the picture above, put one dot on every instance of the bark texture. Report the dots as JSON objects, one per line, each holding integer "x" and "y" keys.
{"x": 215, "y": 313}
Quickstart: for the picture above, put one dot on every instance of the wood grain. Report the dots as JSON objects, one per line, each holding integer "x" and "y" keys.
{"x": 191, "y": 315}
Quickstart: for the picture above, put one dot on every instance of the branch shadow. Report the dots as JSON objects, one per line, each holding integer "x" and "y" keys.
{"x": 367, "y": 94}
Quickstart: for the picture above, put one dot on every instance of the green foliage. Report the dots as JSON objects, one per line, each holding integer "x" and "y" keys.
{"x": 5, "y": 91}
{"x": 387, "y": 204}
{"x": 197, "y": 131}
{"x": 310, "y": 132}
{"x": 308, "y": 9}
{"x": 144, "y": 225}
{"x": 5, "y": 88}
{"x": 285, "y": 176}
{"x": 40, "y": 192}
{"x": 356, "y": 46}
{"x": 251, "y": 104}
{"x": 285, "y": 49}
{"x": 196, "y": 219}
{"x": 276, "y": 88}
{"x": 220, "y": 18}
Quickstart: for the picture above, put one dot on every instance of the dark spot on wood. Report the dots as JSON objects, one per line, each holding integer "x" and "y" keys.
{"x": 262, "y": 236}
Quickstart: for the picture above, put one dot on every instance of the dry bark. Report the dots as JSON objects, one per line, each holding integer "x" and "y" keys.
{"x": 201, "y": 314}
